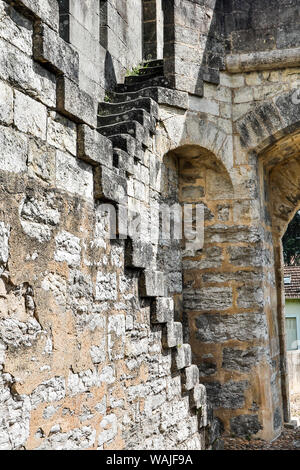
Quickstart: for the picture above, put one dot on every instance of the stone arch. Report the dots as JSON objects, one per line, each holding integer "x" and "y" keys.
{"x": 268, "y": 122}
{"x": 188, "y": 129}
{"x": 280, "y": 181}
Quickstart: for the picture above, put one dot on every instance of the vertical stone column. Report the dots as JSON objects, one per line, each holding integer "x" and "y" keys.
{"x": 194, "y": 43}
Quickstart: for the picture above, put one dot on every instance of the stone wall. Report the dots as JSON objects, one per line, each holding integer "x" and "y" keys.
{"x": 261, "y": 25}
{"x": 103, "y": 339}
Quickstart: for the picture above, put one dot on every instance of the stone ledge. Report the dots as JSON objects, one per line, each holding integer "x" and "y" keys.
{"x": 50, "y": 49}
{"x": 44, "y": 10}
{"x": 75, "y": 103}
{"x": 93, "y": 147}
{"x": 266, "y": 60}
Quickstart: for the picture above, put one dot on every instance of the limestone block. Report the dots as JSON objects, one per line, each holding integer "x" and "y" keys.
{"x": 198, "y": 396}
{"x": 172, "y": 335}
{"x": 209, "y": 298}
{"x": 152, "y": 284}
{"x": 245, "y": 425}
{"x": 4, "y": 239}
{"x": 183, "y": 356}
{"x": 138, "y": 253}
{"x": 18, "y": 68}
{"x": 30, "y": 116}
{"x": 116, "y": 337}
{"x": 68, "y": 249}
{"x": 190, "y": 377}
{"x": 14, "y": 148}
{"x": 110, "y": 185}
{"x": 50, "y": 49}
{"x": 15, "y": 28}
{"x": 93, "y": 147}
{"x": 62, "y": 133}
{"x": 106, "y": 286}
{"x": 49, "y": 391}
{"x": 45, "y": 10}
{"x": 41, "y": 161}
{"x": 38, "y": 217}
{"x": 76, "y": 103}
{"x": 243, "y": 327}
{"x": 74, "y": 176}
{"x": 162, "y": 310}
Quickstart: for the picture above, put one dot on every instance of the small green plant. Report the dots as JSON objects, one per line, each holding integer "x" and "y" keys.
{"x": 135, "y": 71}
{"x": 106, "y": 98}
{"x": 248, "y": 437}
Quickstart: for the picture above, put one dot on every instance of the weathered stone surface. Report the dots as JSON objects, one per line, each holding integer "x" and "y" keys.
{"x": 106, "y": 286}
{"x": 46, "y": 10}
{"x": 62, "y": 133}
{"x": 93, "y": 147}
{"x": 209, "y": 298}
{"x": 30, "y": 116}
{"x": 220, "y": 328}
{"x": 14, "y": 148}
{"x": 74, "y": 176}
{"x": 245, "y": 425}
{"x": 75, "y": 103}
{"x": 41, "y": 161}
{"x": 68, "y": 249}
{"x": 242, "y": 360}
{"x": 4, "y": 239}
{"x": 162, "y": 310}
{"x": 18, "y": 68}
{"x": 6, "y": 103}
{"x": 228, "y": 395}
{"x": 50, "y": 49}
{"x": 152, "y": 284}
{"x": 190, "y": 377}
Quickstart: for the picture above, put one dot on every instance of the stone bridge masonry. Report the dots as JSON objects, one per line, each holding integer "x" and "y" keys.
{"x": 113, "y": 343}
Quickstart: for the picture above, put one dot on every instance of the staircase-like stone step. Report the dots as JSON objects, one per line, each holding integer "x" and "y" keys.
{"x": 154, "y": 63}
{"x": 127, "y": 143}
{"x": 155, "y": 81}
{"x": 162, "y": 310}
{"x": 152, "y": 69}
{"x": 182, "y": 357}
{"x": 147, "y": 103}
{"x": 144, "y": 75}
{"x": 137, "y": 254}
{"x": 172, "y": 335}
{"x": 159, "y": 94}
{"x": 189, "y": 377}
{"x": 139, "y": 115}
{"x": 123, "y": 161}
{"x": 133, "y": 128}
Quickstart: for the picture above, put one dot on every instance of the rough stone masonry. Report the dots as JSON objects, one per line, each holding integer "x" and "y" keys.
{"x": 133, "y": 343}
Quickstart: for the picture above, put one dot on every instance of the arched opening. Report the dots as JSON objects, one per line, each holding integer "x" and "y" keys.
{"x": 280, "y": 171}
{"x": 291, "y": 280}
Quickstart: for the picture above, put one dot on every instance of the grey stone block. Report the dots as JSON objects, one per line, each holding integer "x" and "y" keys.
{"x": 245, "y": 425}
{"x": 162, "y": 310}
{"x": 50, "y": 49}
{"x": 172, "y": 335}
{"x": 220, "y": 328}
{"x": 45, "y": 10}
{"x": 109, "y": 185}
{"x": 230, "y": 395}
{"x": 75, "y": 103}
{"x": 190, "y": 377}
{"x": 93, "y": 147}
{"x": 182, "y": 356}
{"x": 152, "y": 284}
